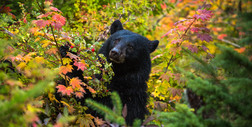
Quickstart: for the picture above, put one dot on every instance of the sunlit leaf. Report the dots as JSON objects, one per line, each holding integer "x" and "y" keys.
{"x": 75, "y": 83}
{"x": 66, "y": 61}
{"x": 65, "y": 69}
{"x": 79, "y": 94}
{"x": 81, "y": 65}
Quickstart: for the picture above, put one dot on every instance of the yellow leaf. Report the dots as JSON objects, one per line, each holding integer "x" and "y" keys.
{"x": 71, "y": 43}
{"x": 38, "y": 34}
{"x": 87, "y": 77}
{"x": 45, "y": 43}
{"x": 21, "y": 65}
{"x": 33, "y": 109}
{"x": 66, "y": 61}
{"x": 64, "y": 103}
{"x": 37, "y": 39}
{"x": 52, "y": 97}
{"x": 39, "y": 59}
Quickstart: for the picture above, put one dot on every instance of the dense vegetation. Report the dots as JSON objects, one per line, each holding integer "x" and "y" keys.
{"x": 201, "y": 71}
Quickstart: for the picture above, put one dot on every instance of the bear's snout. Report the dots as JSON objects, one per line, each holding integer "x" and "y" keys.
{"x": 115, "y": 55}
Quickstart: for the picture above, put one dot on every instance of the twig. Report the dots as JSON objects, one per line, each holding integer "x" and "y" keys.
{"x": 171, "y": 58}
{"x": 8, "y": 32}
{"x": 231, "y": 43}
{"x": 56, "y": 43}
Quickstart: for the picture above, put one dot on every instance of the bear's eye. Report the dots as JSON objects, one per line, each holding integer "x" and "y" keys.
{"x": 130, "y": 48}
{"x": 116, "y": 41}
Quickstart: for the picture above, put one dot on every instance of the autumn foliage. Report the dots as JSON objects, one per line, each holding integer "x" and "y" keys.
{"x": 204, "y": 47}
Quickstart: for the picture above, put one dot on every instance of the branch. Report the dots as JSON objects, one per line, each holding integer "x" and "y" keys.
{"x": 170, "y": 60}
{"x": 231, "y": 43}
{"x": 8, "y": 32}
{"x": 56, "y": 43}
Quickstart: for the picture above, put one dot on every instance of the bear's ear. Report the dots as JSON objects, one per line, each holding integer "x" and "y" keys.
{"x": 153, "y": 45}
{"x": 116, "y": 26}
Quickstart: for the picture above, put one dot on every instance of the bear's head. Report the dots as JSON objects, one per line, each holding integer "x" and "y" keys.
{"x": 124, "y": 46}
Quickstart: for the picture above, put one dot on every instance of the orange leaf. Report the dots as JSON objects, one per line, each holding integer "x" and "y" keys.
{"x": 98, "y": 121}
{"x": 91, "y": 90}
{"x": 51, "y": 51}
{"x": 75, "y": 83}
{"x": 82, "y": 90}
{"x": 79, "y": 94}
{"x": 68, "y": 91}
{"x": 65, "y": 69}
{"x": 221, "y": 36}
{"x": 34, "y": 30}
{"x": 61, "y": 88}
{"x": 241, "y": 50}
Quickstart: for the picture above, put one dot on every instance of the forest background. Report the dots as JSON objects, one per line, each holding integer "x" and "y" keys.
{"x": 201, "y": 71}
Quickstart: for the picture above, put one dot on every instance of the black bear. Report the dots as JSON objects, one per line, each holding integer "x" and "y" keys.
{"x": 129, "y": 54}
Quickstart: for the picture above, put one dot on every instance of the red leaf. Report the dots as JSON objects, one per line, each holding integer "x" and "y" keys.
{"x": 205, "y": 37}
{"x": 80, "y": 65}
{"x": 61, "y": 88}
{"x": 157, "y": 56}
{"x": 68, "y": 91}
{"x": 41, "y": 23}
{"x": 169, "y": 32}
{"x": 55, "y": 9}
{"x": 163, "y": 6}
{"x": 205, "y": 29}
{"x": 179, "y": 22}
{"x": 203, "y": 14}
{"x": 195, "y": 29}
{"x": 24, "y": 20}
{"x": 45, "y": 15}
{"x": 4, "y": 9}
{"x": 57, "y": 25}
{"x": 181, "y": 27}
{"x": 176, "y": 41}
{"x": 59, "y": 21}
{"x": 204, "y": 48}
{"x": 221, "y": 36}
{"x": 59, "y": 18}
{"x": 193, "y": 48}
{"x": 64, "y": 90}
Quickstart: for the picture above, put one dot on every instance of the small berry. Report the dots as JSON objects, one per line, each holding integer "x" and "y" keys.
{"x": 71, "y": 46}
{"x": 93, "y": 50}
{"x": 107, "y": 90}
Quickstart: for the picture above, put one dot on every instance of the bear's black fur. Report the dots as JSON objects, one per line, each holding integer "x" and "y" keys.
{"x": 129, "y": 54}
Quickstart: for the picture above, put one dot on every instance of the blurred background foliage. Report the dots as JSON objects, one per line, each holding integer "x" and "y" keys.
{"x": 195, "y": 81}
